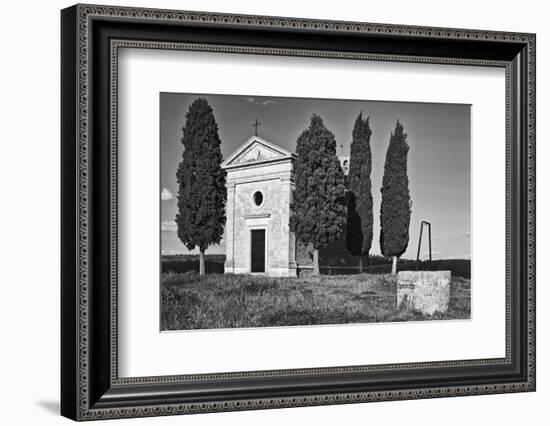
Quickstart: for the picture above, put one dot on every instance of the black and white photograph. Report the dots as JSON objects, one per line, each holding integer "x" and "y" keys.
{"x": 281, "y": 207}
{"x": 279, "y": 211}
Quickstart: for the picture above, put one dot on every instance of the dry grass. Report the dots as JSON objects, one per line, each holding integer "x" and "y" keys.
{"x": 234, "y": 301}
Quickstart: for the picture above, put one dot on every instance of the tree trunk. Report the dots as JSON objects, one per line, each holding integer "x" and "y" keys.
{"x": 360, "y": 264}
{"x": 201, "y": 263}
{"x": 316, "y": 262}
{"x": 394, "y": 265}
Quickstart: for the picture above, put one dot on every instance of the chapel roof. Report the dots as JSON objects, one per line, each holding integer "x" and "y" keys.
{"x": 256, "y": 150}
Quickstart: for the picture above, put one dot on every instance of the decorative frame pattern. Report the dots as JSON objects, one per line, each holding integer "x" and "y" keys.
{"x": 91, "y": 400}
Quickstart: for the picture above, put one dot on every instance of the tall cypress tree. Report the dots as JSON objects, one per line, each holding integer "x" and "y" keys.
{"x": 202, "y": 192}
{"x": 395, "y": 211}
{"x": 360, "y": 218}
{"x": 318, "y": 209}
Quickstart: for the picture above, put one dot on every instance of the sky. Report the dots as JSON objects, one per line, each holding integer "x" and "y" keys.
{"x": 438, "y": 161}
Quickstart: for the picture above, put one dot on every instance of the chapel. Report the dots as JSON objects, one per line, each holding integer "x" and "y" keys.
{"x": 260, "y": 184}
{"x": 259, "y": 189}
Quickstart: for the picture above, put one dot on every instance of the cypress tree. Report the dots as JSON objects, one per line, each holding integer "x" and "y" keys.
{"x": 202, "y": 192}
{"x": 318, "y": 209}
{"x": 359, "y": 197}
{"x": 395, "y": 211}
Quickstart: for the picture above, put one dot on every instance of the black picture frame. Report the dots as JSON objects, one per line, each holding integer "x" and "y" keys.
{"x": 90, "y": 386}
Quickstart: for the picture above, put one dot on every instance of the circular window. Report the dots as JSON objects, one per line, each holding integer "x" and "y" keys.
{"x": 258, "y": 198}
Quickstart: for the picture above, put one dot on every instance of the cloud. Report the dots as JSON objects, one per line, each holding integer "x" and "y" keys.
{"x": 166, "y": 195}
{"x": 168, "y": 226}
{"x": 262, "y": 103}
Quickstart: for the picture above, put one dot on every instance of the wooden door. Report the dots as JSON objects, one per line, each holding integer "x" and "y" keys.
{"x": 257, "y": 248}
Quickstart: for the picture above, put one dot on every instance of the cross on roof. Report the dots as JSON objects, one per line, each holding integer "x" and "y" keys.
{"x": 256, "y": 124}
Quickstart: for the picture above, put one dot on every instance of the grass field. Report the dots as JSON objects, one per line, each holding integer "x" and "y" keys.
{"x": 235, "y": 301}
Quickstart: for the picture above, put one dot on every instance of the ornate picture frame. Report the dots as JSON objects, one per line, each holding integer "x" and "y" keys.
{"x": 91, "y": 37}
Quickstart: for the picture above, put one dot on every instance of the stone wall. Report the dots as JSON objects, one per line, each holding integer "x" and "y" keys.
{"x": 427, "y": 291}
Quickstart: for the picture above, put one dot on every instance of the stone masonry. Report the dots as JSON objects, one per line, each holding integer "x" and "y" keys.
{"x": 259, "y": 191}
{"x": 427, "y": 291}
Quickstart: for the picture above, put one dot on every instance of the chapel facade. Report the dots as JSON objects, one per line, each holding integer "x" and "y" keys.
{"x": 260, "y": 185}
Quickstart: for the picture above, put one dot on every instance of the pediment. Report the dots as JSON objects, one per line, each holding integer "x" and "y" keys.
{"x": 256, "y": 150}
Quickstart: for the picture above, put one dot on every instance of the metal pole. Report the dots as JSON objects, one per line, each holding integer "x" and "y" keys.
{"x": 419, "y": 242}
{"x": 429, "y": 225}
{"x": 430, "y": 238}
